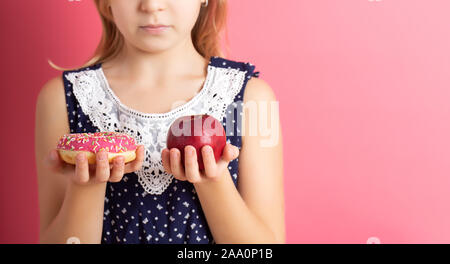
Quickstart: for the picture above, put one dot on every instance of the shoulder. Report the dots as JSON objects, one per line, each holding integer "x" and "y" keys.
{"x": 51, "y": 93}
{"x": 258, "y": 90}
{"x": 260, "y": 102}
{"x": 70, "y": 76}
{"x": 51, "y": 102}
{"x": 54, "y": 89}
{"x": 53, "y": 84}
{"x": 51, "y": 90}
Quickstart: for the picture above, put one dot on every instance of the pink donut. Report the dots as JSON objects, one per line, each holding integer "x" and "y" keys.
{"x": 114, "y": 143}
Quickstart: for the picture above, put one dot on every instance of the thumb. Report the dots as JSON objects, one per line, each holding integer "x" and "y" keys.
{"x": 52, "y": 158}
{"x": 231, "y": 152}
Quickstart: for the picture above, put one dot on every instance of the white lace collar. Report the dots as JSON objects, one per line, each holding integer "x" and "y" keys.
{"x": 139, "y": 114}
{"x": 107, "y": 113}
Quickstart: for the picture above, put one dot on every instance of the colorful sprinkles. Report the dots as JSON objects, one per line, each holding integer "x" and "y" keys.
{"x": 113, "y": 142}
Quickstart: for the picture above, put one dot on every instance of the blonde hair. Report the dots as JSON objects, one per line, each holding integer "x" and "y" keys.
{"x": 206, "y": 34}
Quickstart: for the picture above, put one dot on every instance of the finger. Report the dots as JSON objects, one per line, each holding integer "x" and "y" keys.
{"x": 191, "y": 164}
{"x": 165, "y": 157}
{"x": 118, "y": 169}
{"x": 136, "y": 164}
{"x": 55, "y": 163}
{"x": 230, "y": 153}
{"x": 209, "y": 161}
{"x": 52, "y": 159}
{"x": 175, "y": 164}
{"x": 102, "y": 168}
{"x": 81, "y": 175}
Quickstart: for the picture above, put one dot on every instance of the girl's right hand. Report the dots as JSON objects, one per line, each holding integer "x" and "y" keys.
{"x": 83, "y": 173}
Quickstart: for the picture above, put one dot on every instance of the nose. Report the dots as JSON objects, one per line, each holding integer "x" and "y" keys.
{"x": 152, "y": 5}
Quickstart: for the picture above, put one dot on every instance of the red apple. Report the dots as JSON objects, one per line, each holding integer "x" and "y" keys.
{"x": 197, "y": 131}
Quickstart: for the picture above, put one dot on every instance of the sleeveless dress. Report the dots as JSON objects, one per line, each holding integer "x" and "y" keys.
{"x": 150, "y": 205}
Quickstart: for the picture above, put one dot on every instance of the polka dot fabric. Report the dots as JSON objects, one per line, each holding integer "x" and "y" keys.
{"x": 131, "y": 215}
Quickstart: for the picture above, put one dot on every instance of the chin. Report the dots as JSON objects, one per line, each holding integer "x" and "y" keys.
{"x": 153, "y": 48}
{"x": 154, "y": 45}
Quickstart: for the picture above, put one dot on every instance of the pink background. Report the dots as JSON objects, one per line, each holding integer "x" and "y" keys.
{"x": 364, "y": 95}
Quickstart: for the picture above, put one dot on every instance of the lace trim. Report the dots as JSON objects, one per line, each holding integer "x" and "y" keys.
{"x": 107, "y": 113}
{"x": 153, "y": 115}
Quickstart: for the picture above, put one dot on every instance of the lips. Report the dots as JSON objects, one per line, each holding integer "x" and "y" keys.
{"x": 155, "y": 26}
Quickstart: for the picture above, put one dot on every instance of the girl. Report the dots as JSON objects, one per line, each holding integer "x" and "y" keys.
{"x": 159, "y": 60}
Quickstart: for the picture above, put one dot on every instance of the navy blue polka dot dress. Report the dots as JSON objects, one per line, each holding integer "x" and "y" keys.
{"x": 135, "y": 211}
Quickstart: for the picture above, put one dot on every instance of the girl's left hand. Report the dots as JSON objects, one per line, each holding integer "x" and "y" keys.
{"x": 213, "y": 171}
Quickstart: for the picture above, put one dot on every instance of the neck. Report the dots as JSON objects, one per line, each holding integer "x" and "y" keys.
{"x": 159, "y": 67}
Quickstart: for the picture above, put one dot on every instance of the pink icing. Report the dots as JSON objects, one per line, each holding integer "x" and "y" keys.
{"x": 113, "y": 142}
